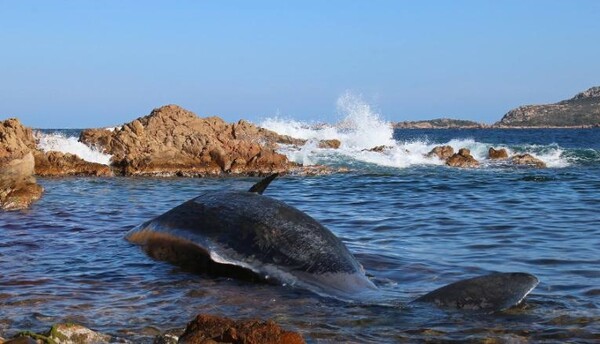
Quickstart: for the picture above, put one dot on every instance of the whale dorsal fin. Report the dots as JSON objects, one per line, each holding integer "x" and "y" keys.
{"x": 261, "y": 186}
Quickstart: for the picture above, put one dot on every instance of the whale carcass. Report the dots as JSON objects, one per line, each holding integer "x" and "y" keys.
{"x": 245, "y": 234}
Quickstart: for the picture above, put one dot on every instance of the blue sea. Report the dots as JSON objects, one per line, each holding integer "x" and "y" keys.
{"x": 412, "y": 222}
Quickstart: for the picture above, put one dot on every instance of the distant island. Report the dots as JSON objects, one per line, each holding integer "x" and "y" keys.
{"x": 581, "y": 111}
{"x": 440, "y": 123}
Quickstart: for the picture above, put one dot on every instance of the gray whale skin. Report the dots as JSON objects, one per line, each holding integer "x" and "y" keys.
{"x": 244, "y": 234}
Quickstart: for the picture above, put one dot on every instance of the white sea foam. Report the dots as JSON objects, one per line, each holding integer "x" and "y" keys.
{"x": 362, "y": 129}
{"x": 61, "y": 143}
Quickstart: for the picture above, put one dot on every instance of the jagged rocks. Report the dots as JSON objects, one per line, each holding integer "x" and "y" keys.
{"x": 331, "y": 144}
{"x": 442, "y": 152}
{"x": 174, "y": 141}
{"x": 528, "y": 160}
{"x": 462, "y": 159}
{"x": 58, "y": 164}
{"x": 18, "y": 188}
{"x": 497, "y": 153}
{"x": 206, "y": 329}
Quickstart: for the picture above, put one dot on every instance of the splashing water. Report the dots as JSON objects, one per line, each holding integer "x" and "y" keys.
{"x": 68, "y": 144}
{"x": 363, "y": 129}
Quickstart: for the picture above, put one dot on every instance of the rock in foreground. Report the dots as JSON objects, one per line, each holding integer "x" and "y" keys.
{"x": 213, "y": 329}
{"x": 65, "y": 334}
{"x": 462, "y": 159}
{"x": 173, "y": 141}
{"x": 18, "y": 188}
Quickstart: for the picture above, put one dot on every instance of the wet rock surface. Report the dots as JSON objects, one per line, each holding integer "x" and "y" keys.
{"x": 497, "y": 153}
{"x": 172, "y": 141}
{"x": 65, "y": 333}
{"x": 18, "y": 188}
{"x": 527, "y": 160}
{"x": 462, "y": 159}
{"x": 442, "y": 152}
{"x": 331, "y": 144}
{"x": 206, "y": 329}
{"x": 58, "y": 164}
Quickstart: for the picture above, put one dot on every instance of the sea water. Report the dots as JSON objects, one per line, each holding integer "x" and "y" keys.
{"x": 413, "y": 223}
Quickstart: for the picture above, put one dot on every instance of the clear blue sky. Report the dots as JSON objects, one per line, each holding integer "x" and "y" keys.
{"x": 98, "y": 63}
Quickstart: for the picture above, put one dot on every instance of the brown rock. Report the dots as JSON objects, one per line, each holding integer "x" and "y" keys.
{"x": 56, "y": 164}
{"x": 23, "y": 340}
{"x": 528, "y": 160}
{"x": 497, "y": 153}
{"x": 210, "y": 329}
{"x": 173, "y": 141}
{"x": 378, "y": 149}
{"x": 462, "y": 159}
{"x": 18, "y": 188}
{"x": 332, "y": 144}
{"x": 442, "y": 152}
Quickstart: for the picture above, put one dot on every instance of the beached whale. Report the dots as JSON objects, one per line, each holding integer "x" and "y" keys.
{"x": 247, "y": 235}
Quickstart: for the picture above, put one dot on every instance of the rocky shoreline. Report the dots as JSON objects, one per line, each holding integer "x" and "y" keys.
{"x": 203, "y": 329}
{"x": 169, "y": 142}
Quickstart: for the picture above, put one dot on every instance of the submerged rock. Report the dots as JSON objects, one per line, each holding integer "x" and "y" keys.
{"x": 462, "y": 159}
{"x": 210, "y": 329}
{"x": 76, "y": 334}
{"x": 442, "y": 152}
{"x": 173, "y": 141}
{"x": 57, "y": 164}
{"x": 18, "y": 188}
{"x": 23, "y": 340}
{"x": 378, "y": 149}
{"x": 65, "y": 334}
{"x": 497, "y": 153}
{"x": 528, "y": 160}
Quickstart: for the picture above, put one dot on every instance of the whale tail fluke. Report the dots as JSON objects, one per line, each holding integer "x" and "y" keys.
{"x": 261, "y": 186}
{"x": 490, "y": 293}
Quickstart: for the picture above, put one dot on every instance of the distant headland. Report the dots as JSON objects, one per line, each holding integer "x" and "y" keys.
{"x": 581, "y": 111}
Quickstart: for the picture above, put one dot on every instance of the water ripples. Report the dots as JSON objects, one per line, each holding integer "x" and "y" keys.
{"x": 414, "y": 230}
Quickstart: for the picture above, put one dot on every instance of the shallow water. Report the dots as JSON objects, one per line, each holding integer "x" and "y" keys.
{"x": 413, "y": 228}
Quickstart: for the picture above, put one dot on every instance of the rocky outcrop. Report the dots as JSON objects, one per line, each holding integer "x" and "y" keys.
{"x": 173, "y": 141}
{"x": 213, "y": 329}
{"x": 442, "y": 152}
{"x": 462, "y": 159}
{"x": 18, "y": 188}
{"x": 58, "y": 164}
{"x": 331, "y": 144}
{"x": 439, "y": 123}
{"x": 583, "y": 110}
{"x": 378, "y": 149}
{"x": 528, "y": 160}
{"x": 497, "y": 153}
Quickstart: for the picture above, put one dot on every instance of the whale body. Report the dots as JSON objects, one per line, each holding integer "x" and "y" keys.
{"x": 245, "y": 234}
{"x": 234, "y": 231}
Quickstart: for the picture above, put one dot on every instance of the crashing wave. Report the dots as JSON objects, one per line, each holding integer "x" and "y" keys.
{"x": 60, "y": 142}
{"x": 362, "y": 129}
